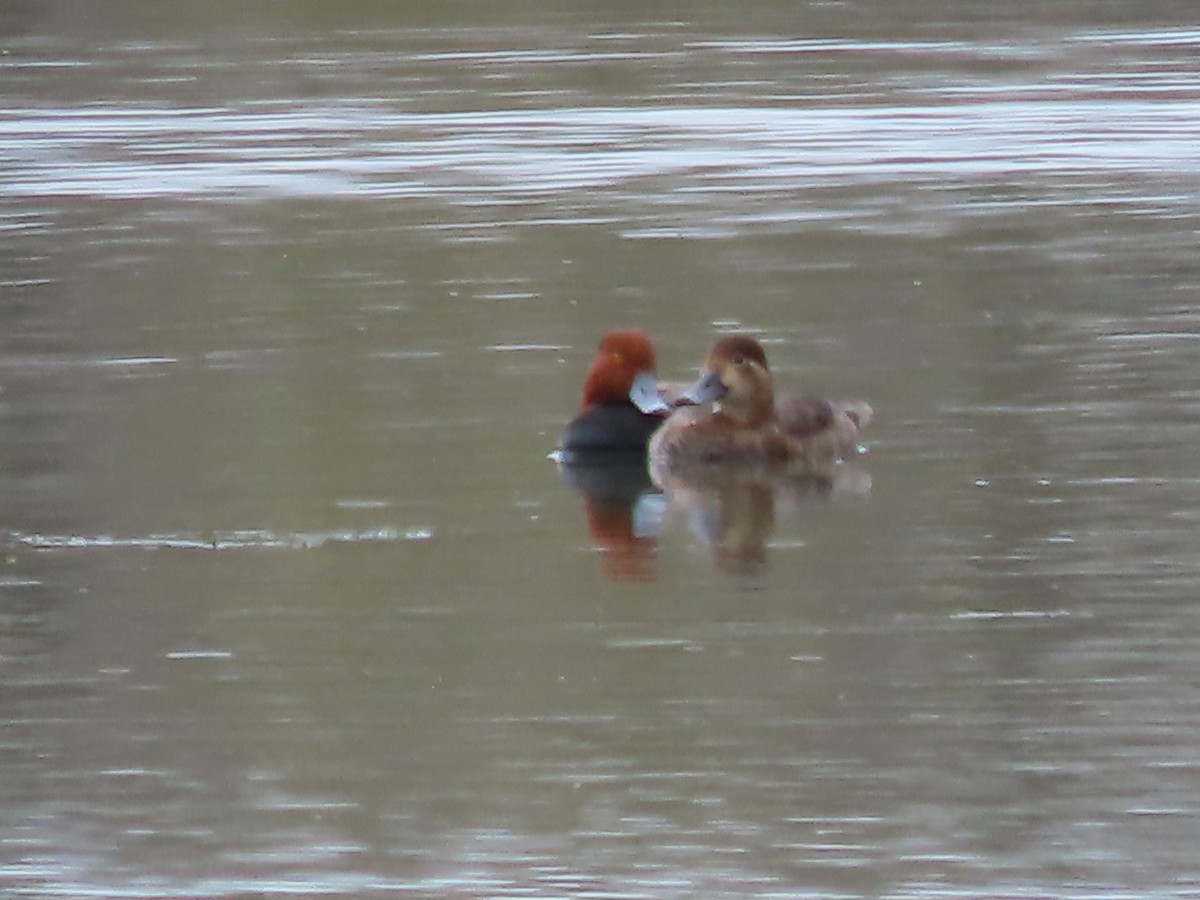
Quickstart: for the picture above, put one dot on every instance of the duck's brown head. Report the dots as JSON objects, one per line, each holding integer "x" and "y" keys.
{"x": 736, "y": 377}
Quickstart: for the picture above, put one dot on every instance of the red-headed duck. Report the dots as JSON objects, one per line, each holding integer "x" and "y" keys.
{"x": 747, "y": 425}
{"x": 621, "y": 404}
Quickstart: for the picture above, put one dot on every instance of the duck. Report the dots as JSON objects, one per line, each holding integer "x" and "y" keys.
{"x": 622, "y": 405}
{"x": 747, "y": 425}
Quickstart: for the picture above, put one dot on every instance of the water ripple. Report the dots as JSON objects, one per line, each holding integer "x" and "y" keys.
{"x": 223, "y": 540}
{"x": 370, "y": 149}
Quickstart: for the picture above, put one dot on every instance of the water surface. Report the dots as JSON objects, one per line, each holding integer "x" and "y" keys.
{"x": 293, "y": 305}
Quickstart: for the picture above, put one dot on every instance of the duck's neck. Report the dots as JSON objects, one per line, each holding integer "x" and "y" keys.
{"x": 749, "y": 412}
{"x": 605, "y": 383}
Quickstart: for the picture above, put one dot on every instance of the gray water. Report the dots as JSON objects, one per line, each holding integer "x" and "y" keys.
{"x": 294, "y": 301}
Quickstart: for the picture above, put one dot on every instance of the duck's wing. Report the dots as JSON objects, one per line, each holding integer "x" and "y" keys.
{"x": 803, "y": 415}
{"x": 815, "y": 420}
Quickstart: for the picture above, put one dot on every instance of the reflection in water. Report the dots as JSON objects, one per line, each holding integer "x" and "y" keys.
{"x": 255, "y": 270}
{"x": 732, "y": 510}
{"x": 735, "y": 521}
{"x": 619, "y": 505}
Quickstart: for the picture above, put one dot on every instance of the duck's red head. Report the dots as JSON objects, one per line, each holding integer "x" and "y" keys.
{"x": 623, "y": 355}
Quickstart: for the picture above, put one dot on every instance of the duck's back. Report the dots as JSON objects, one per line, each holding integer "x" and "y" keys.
{"x": 803, "y": 415}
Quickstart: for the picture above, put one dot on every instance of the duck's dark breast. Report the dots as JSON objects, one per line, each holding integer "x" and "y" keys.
{"x": 608, "y": 427}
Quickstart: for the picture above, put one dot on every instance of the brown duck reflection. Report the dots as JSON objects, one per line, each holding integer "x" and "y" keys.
{"x": 733, "y": 511}
{"x": 735, "y": 520}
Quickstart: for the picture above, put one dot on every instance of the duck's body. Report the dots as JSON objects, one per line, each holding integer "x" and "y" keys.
{"x": 747, "y": 426}
{"x": 609, "y": 427}
{"x": 621, "y": 406}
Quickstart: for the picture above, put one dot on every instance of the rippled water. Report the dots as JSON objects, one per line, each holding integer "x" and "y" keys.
{"x": 292, "y": 308}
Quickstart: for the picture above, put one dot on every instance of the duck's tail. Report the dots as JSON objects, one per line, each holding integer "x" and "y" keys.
{"x": 849, "y": 420}
{"x": 859, "y": 412}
